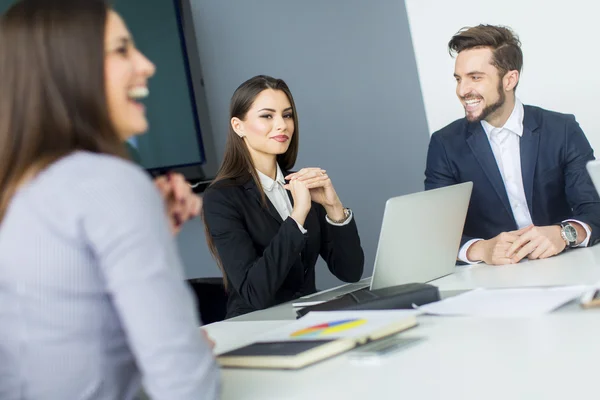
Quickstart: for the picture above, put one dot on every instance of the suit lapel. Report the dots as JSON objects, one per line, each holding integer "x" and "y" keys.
{"x": 254, "y": 193}
{"x": 480, "y": 146}
{"x": 529, "y": 155}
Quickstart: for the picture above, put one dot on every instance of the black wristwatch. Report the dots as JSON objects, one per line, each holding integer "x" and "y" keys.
{"x": 568, "y": 233}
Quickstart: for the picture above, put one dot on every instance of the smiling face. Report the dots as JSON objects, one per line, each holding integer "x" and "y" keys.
{"x": 479, "y": 86}
{"x": 126, "y": 72}
{"x": 268, "y": 126}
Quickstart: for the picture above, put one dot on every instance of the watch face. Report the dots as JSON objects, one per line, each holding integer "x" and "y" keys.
{"x": 570, "y": 233}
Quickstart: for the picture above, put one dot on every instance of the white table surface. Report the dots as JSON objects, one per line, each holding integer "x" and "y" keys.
{"x": 551, "y": 357}
{"x": 573, "y": 267}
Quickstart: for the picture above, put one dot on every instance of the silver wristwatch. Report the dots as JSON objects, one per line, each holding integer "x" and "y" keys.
{"x": 568, "y": 233}
{"x": 346, "y": 216}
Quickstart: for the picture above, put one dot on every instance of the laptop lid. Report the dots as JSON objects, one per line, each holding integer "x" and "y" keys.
{"x": 593, "y": 168}
{"x": 420, "y": 236}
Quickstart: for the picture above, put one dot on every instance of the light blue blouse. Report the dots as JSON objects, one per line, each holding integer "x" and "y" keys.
{"x": 93, "y": 301}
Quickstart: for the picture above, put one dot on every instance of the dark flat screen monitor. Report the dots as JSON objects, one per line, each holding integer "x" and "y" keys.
{"x": 174, "y": 139}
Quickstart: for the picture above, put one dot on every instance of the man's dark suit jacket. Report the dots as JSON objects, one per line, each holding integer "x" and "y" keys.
{"x": 268, "y": 261}
{"x": 554, "y": 153}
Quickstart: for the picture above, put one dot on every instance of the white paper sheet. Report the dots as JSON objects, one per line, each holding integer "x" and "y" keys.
{"x": 301, "y": 304}
{"x": 515, "y": 302}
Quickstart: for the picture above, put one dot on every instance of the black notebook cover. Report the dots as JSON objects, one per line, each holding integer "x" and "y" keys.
{"x": 284, "y": 348}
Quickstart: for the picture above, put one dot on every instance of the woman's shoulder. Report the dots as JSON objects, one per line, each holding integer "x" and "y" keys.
{"x": 75, "y": 173}
{"x": 225, "y": 193}
{"x": 82, "y": 164}
{"x": 225, "y": 187}
{"x": 82, "y": 183}
{"x": 101, "y": 166}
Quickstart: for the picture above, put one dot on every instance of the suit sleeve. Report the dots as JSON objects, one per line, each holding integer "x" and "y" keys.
{"x": 579, "y": 188}
{"x": 439, "y": 173}
{"x": 256, "y": 277}
{"x": 341, "y": 248}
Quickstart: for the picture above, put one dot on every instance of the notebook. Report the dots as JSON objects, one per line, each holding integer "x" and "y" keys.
{"x": 316, "y": 337}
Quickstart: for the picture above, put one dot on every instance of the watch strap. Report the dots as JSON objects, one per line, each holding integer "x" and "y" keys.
{"x": 346, "y": 216}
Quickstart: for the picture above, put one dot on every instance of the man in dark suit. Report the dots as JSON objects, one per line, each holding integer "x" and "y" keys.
{"x": 532, "y": 196}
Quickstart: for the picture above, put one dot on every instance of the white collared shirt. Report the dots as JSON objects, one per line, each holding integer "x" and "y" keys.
{"x": 278, "y": 196}
{"x": 506, "y": 146}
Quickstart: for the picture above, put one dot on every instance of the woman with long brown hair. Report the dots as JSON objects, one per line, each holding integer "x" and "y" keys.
{"x": 91, "y": 287}
{"x": 265, "y": 225}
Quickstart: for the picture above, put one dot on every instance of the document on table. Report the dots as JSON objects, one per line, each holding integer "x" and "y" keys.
{"x": 514, "y": 302}
{"x": 300, "y": 304}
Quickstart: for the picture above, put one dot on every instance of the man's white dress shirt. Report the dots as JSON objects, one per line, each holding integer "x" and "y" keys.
{"x": 505, "y": 142}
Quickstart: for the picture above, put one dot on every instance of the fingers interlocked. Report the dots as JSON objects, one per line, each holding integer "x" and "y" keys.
{"x": 311, "y": 177}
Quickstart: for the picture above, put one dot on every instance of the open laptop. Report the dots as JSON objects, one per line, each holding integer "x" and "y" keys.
{"x": 593, "y": 168}
{"x": 418, "y": 242}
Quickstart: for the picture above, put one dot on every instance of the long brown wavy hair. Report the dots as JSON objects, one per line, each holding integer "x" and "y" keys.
{"x": 237, "y": 163}
{"x": 52, "y": 100}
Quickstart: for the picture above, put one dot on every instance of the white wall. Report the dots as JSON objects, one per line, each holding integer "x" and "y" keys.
{"x": 560, "y": 48}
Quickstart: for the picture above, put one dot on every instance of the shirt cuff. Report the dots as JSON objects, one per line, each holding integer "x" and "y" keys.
{"x": 588, "y": 232}
{"x": 300, "y": 227}
{"x": 346, "y": 222}
{"x": 462, "y": 253}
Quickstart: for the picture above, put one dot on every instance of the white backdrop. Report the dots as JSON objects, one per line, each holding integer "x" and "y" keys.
{"x": 560, "y": 41}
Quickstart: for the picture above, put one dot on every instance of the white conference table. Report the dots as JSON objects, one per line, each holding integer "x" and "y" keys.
{"x": 550, "y": 357}
{"x": 573, "y": 267}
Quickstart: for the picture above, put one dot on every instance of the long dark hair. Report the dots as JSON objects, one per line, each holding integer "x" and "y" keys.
{"x": 52, "y": 100}
{"x": 237, "y": 163}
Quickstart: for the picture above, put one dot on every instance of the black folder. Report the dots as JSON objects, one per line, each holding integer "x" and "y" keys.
{"x": 390, "y": 298}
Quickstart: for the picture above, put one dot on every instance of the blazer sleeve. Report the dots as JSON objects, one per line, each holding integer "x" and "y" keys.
{"x": 341, "y": 248}
{"x": 126, "y": 229}
{"x": 256, "y": 277}
{"x": 579, "y": 188}
{"x": 439, "y": 173}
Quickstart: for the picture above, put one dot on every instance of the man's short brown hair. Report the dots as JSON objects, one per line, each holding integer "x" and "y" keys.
{"x": 504, "y": 43}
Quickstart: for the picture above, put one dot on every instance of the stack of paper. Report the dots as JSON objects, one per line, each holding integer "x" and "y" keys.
{"x": 518, "y": 302}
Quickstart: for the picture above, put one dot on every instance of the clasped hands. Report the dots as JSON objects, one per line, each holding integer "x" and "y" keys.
{"x": 533, "y": 242}
{"x": 181, "y": 203}
{"x": 313, "y": 184}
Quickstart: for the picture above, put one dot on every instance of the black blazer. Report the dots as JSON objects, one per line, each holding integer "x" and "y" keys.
{"x": 268, "y": 261}
{"x": 554, "y": 153}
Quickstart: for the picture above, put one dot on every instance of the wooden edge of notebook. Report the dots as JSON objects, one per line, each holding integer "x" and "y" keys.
{"x": 317, "y": 354}
{"x": 391, "y": 329}
{"x": 591, "y": 304}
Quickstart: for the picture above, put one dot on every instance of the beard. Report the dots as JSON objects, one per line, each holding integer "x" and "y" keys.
{"x": 489, "y": 109}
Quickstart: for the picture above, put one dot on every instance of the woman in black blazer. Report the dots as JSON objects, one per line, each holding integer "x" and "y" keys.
{"x": 265, "y": 225}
